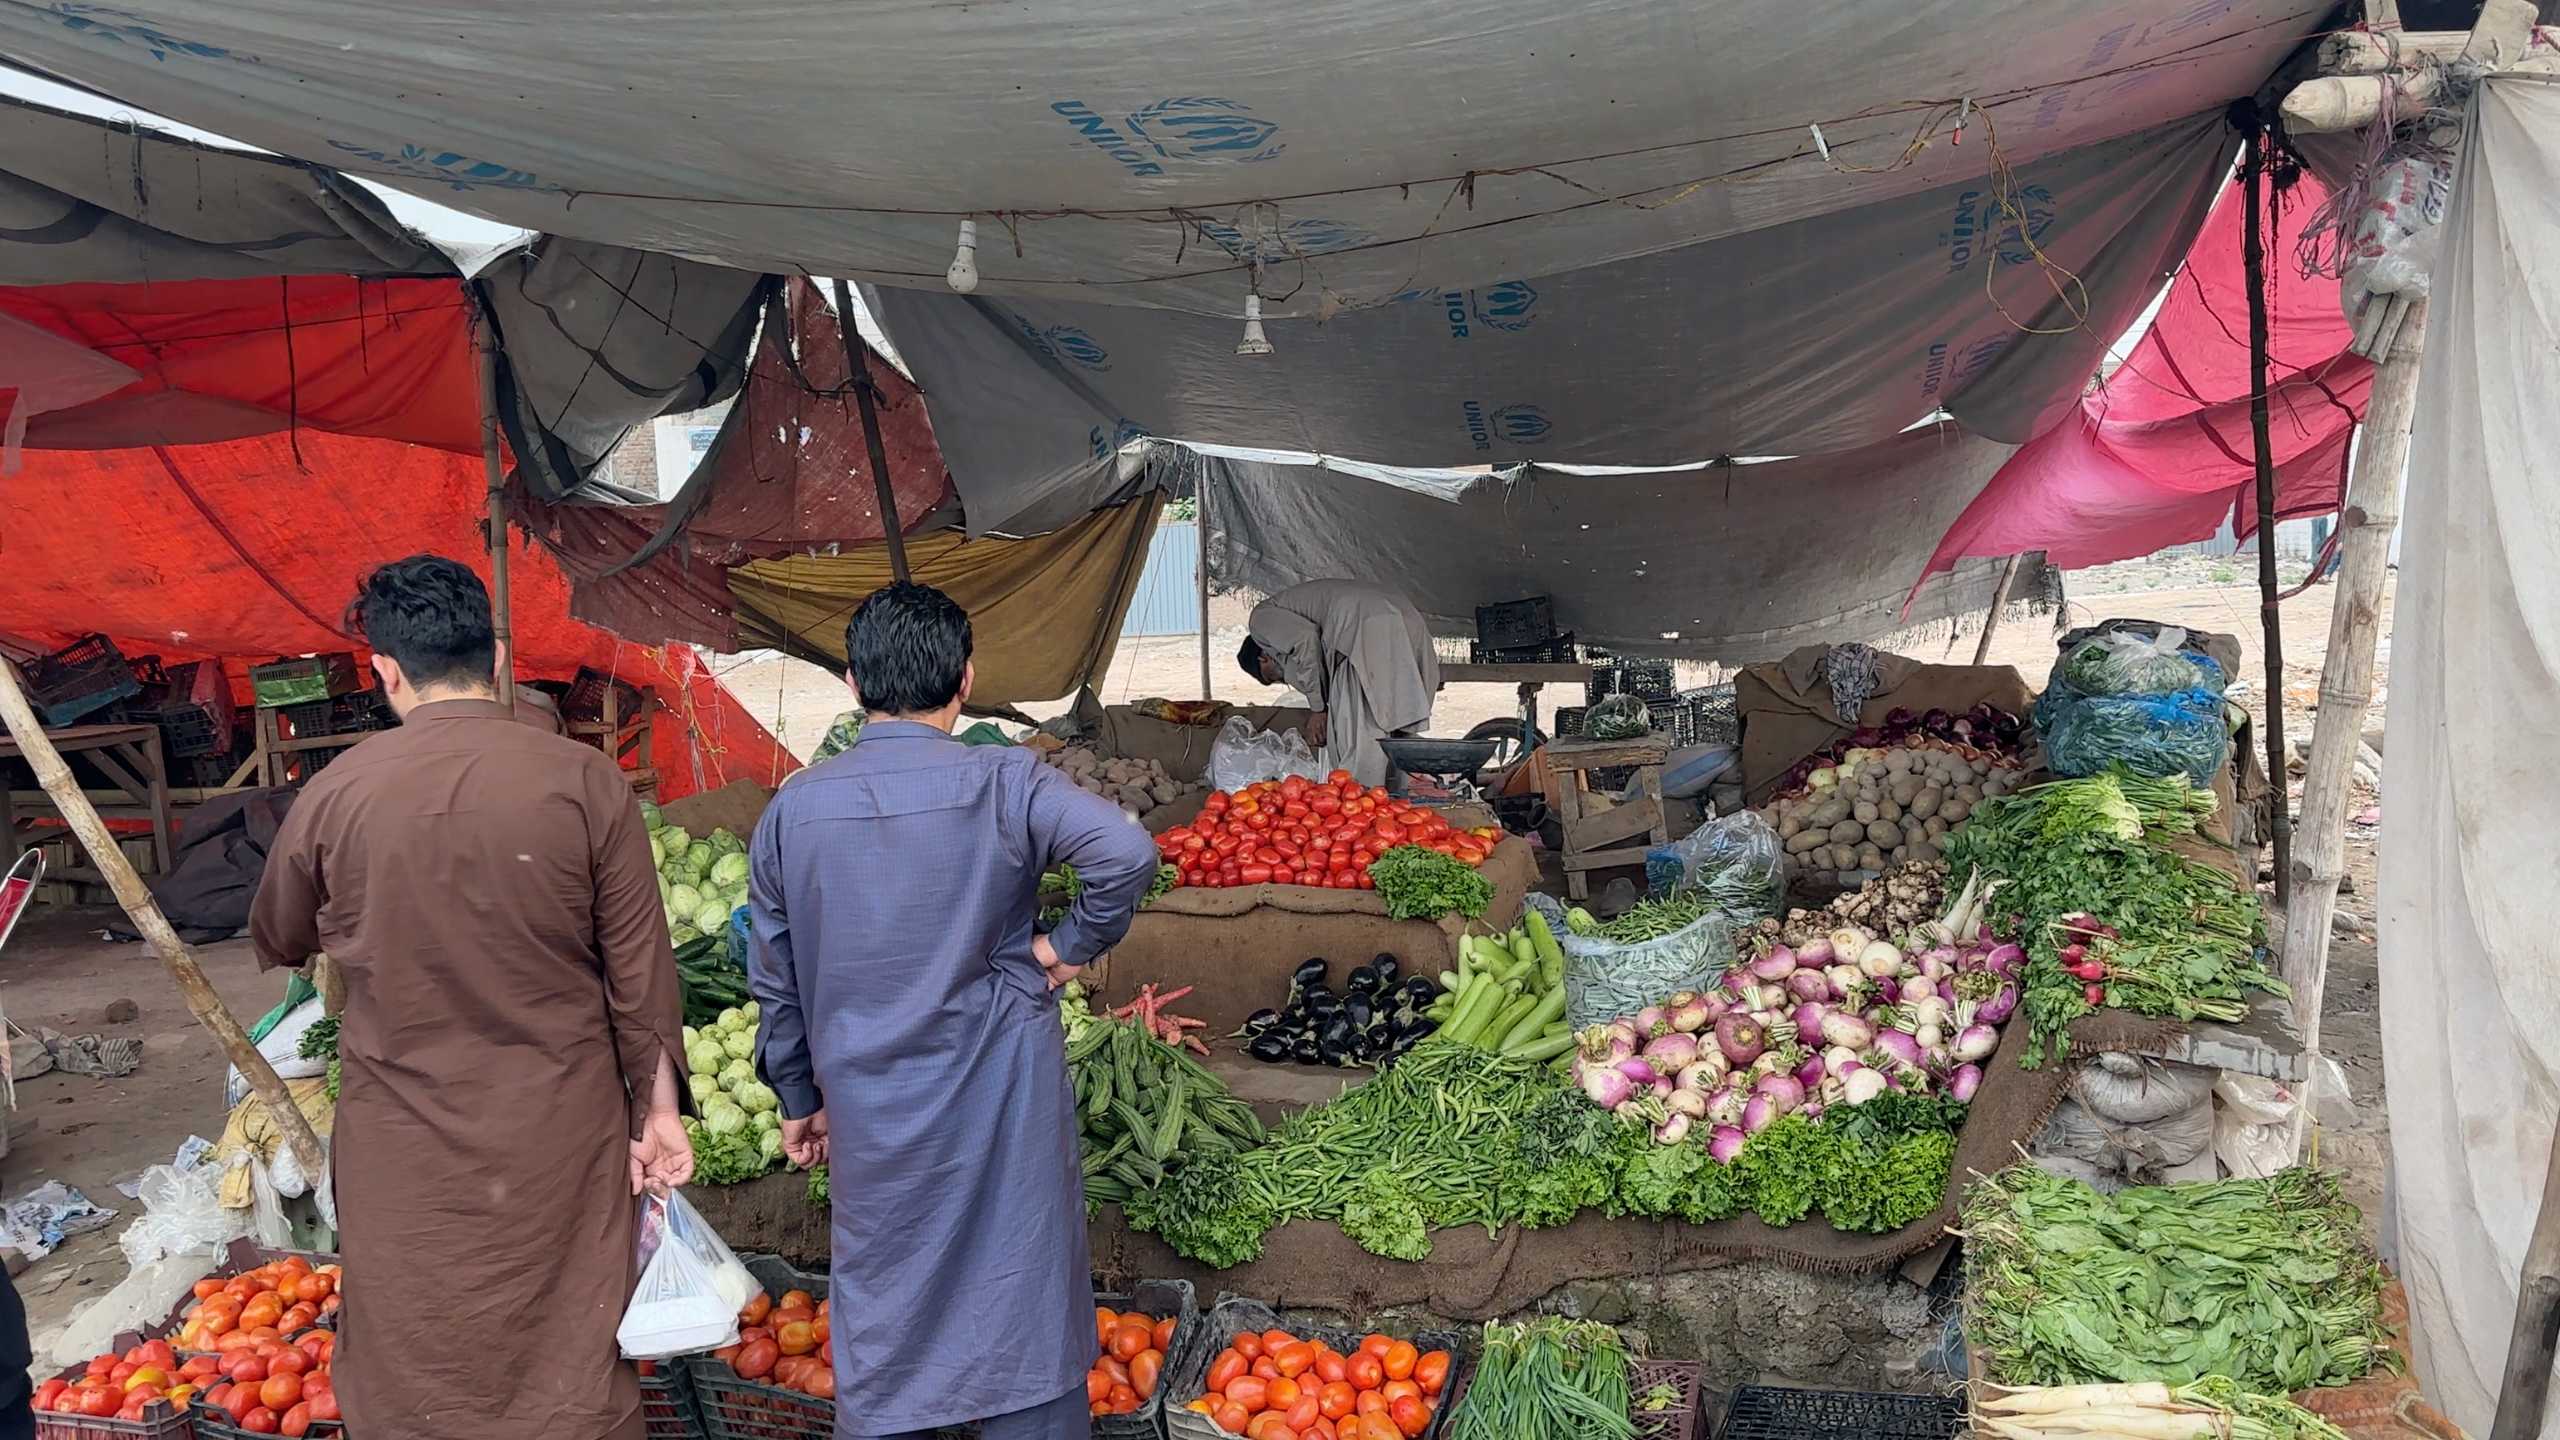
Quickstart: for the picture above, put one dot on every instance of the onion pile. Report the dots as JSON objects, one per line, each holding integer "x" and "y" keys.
{"x": 1837, "y": 1020}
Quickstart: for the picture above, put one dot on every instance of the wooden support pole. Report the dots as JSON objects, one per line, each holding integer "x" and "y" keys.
{"x": 2366, "y": 523}
{"x": 2536, "y": 1335}
{"x": 484, "y": 341}
{"x": 1200, "y": 519}
{"x": 94, "y": 837}
{"x": 2253, "y": 253}
{"x": 1991, "y": 617}
{"x": 857, "y": 360}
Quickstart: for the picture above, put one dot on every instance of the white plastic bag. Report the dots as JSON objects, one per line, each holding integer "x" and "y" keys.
{"x": 182, "y": 1215}
{"x": 283, "y": 1049}
{"x": 1242, "y": 755}
{"x": 691, "y": 1285}
{"x": 2252, "y": 1125}
{"x": 143, "y": 1297}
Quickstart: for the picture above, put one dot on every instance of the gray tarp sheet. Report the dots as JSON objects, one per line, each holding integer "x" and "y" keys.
{"x": 1820, "y": 335}
{"x": 1732, "y": 563}
{"x": 1152, "y": 151}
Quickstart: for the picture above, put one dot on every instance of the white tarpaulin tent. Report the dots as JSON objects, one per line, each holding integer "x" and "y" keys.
{"x": 2470, "y": 979}
{"x": 1145, "y": 152}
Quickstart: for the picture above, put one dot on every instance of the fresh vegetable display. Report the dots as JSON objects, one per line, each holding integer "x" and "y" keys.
{"x": 270, "y": 1388}
{"x": 1874, "y": 807}
{"x": 276, "y": 1301}
{"x": 782, "y": 1341}
{"x": 699, "y": 881}
{"x": 2211, "y": 1409}
{"x": 1507, "y": 994}
{"x": 1125, "y": 1374}
{"x": 1645, "y": 920}
{"x": 320, "y": 1042}
{"x": 2266, "y": 1283}
{"x": 1151, "y": 1015}
{"x": 1549, "y": 1379}
{"x": 1060, "y": 887}
{"x": 2112, "y": 917}
{"x": 1137, "y": 786}
{"x": 1301, "y": 832}
{"x": 1385, "y": 1389}
{"x": 1380, "y": 1015}
{"x": 1984, "y": 731}
{"x": 1147, "y": 1109}
{"x": 1419, "y": 883}
{"x": 736, "y": 1127}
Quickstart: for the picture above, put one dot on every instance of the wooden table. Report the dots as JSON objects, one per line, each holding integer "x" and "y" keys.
{"x": 1596, "y": 840}
{"x": 129, "y": 756}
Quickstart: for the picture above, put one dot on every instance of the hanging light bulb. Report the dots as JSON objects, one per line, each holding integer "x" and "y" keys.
{"x": 963, "y": 273}
{"x": 1254, "y": 341}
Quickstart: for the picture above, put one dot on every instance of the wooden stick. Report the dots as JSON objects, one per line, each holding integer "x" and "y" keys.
{"x": 138, "y": 905}
{"x": 858, "y": 373}
{"x": 2366, "y": 523}
{"x": 1991, "y": 617}
{"x": 1200, "y": 523}
{"x": 2253, "y": 256}
{"x": 330, "y": 981}
{"x": 2536, "y": 1334}
{"x": 484, "y": 340}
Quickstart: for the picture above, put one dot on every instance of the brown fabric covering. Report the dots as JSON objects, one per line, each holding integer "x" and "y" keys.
{"x": 1121, "y": 733}
{"x": 1786, "y": 709}
{"x": 1045, "y": 611}
{"x": 734, "y": 807}
{"x": 1236, "y": 947}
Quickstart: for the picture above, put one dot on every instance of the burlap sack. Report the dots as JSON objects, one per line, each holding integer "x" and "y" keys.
{"x": 1120, "y": 732}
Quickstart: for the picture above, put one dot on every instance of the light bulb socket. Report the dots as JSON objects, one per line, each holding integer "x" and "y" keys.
{"x": 963, "y": 273}
{"x": 1254, "y": 341}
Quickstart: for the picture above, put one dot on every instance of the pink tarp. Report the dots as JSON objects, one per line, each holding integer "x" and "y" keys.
{"x": 2160, "y": 453}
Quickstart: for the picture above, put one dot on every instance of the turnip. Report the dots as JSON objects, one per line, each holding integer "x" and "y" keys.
{"x": 1878, "y": 960}
{"x": 1705, "y": 1074}
{"x": 1671, "y": 1131}
{"x": 2004, "y": 960}
{"x": 1848, "y": 942}
{"x": 1652, "y": 1020}
{"x": 1691, "y": 1012}
{"x": 1740, "y": 1038}
{"x": 1807, "y": 1018}
{"x": 1995, "y": 1010}
{"x": 1783, "y": 1091}
{"x": 1686, "y": 1102}
{"x": 1757, "y": 1112}
{"x": 1777, "y": 964}
{"x": 1815, "y": 954}
{"x": 1976, "y": 1042}
{"x": 1605, "y": 1087}
{"x": 1725, "y": 1107}
{"x": 1726, "y": 1144}
{"x": 1915, "y": 988}
{"x": 1810, "y": 1073}
{"x": 1809, "y": 985}
{"x": 1861, "y": 1085}
{"x": 1897, "y": 1052}
{"x": 1671, "y": 1052}
{"x": 1847, "y": 1030}
{"x": 1847, "y": 981}
{"x": 1962, "y": 1084}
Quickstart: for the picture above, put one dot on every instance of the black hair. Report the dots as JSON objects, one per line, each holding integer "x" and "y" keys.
{"x": 1249, "y": 655}
{"x": 905, "y": 649}
{"x": 432, "y": 615}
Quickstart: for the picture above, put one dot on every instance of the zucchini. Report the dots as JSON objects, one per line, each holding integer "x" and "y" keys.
{"x": 1528, "y": 1027}
{"x": 1168, "y": 1136}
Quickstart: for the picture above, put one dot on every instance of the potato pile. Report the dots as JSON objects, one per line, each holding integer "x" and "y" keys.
{"x": 1136, "y": 786}
{"x": 1884, "y": 807}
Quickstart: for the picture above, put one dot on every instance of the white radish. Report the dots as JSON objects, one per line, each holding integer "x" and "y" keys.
{"x": 2047, "y": 1399}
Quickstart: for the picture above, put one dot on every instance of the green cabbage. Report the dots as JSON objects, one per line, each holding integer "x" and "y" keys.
{"x": 751, "y": 1012}
{"x": 755, "y": 1097}
{"x": 727, "y": 844}
{"x": 704, "y": 1088}
{"x": 691, "y": 1035}
{"x": 685, "y": 901}
{"x": 730, "y": 1019}
{"x": 699, "y": 855}
{"x": 766, "y": 1120}
{"x": 737, "y": 1070}
{"x": 705, "y": 1056}
{"x": 723, "y": 1117}
{"x": 741, "y": 1044}
{"x": 675, "y": 838}
{"x": 730, "y": 869}
{"x": 769, "y": 1143}
{"x": 666, "y": 889}
{"x": 712, "y": 917}
{"x": 657, "y": 852}
{"x": 679, "y": 933}
{"x": 650, "y": 815}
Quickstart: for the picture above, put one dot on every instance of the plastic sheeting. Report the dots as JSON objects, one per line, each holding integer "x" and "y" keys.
{"x": 1820, "y": 335}
{"x": 2161, "y": 453}
{"x": 1730, "y": 563}
{"x": 2471, "y": 1000}
{"x": 1148, "y": 152}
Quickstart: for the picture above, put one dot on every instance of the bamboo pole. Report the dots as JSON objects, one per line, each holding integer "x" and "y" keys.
{"x": 484, "y": 342}
{"x": 2366, "y": 522}
{"x": 1200, "y": 520}
{"x": 56, "y": 778}
{"x": 2253, "y": 254}
{"x": 858, "y": 373}
{"x": 1991, "y": 617}
{"x": 2536, "y": 1334}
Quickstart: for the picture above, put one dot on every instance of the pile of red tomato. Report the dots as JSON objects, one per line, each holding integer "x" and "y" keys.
{"x": 784, "y": 1342}
{"x": 1275, "y": 1386}
{"x": 267, "y": 1387}
{"x": 1304, "y": 832}
{"x": 278, "y": 1300}
{"x": 1133, "y": 1349}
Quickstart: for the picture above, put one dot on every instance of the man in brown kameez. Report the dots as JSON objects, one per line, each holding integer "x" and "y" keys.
{"x": 509, "y": 1041}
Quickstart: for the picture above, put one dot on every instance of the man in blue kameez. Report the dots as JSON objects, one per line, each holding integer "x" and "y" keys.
{"x": 910, "y": 1027}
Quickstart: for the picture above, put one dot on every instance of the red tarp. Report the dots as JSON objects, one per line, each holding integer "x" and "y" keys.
{"x": 250, "y": 548}
{"x": 2161, "y": 453}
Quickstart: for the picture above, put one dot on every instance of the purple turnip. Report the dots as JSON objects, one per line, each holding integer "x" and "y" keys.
{"x": 1704, "y": 1074}
{"x": 1916, "y": 988}
{"x": 1690, "y": 1012}
{"x": 1740, "y": 1038}
{"x": 1815, "y": 954}
{"x": 1757, "y": 1112}
{"x": 1777, "y": 964}
{"x": 1606, "y": 1088}
{"x": 1847, "y": 1030}
{"x": 1671, "y": 1131}
{"x": 1784, "y": 1091}
{"x": 1671, "y": 1052}
{"x": 1652, "y": 1020}
{"x": 1807, "y": 1018}
{"x": 1966, "y": 1080}
{"x": 1725, "y": 1107}
{"x": 1848, "y": 941}
{"x": 2004, "y": 960}
{"x": 1810, "y": 1073}
{"x": 1809, "y": 985}
{"x": 1638, "y": 1071}
{"x": 1861, "y": 1085}
{"x": 1725, "y": 1144}
{"x": 1995, "y": 1011}
{"x": 1976, "y": 1042}
{"x": 1686, "y": 1102}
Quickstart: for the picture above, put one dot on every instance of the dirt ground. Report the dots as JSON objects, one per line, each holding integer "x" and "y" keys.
{"x": 93, "y": 1134}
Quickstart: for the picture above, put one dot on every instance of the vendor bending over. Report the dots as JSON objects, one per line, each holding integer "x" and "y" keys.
{"x": 1362, "y": 657}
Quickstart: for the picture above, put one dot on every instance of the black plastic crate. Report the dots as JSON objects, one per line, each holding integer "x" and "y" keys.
{"x": 306, "y": 680}
{"x": 1233, "y": 1315}
{"x": 1558, "y": 651}
{"x": 80, "y": 679}
{"x": 213, "y": 1424}
{"x": 187, "y": 730}
{"x": 1569, "y": 720}
{"x": 732, "y": 1407}
{"x": 1158, "y": 1299}
{"x": 1515, "y": 623}
{"x": 1768, "y": 1412}
{"x": 668, "y": 1410}
{"x": 1647, "y": 680}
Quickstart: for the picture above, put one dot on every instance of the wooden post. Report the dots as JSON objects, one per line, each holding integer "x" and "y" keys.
{"x": 330, "y": 981}
{"x": 138, "y": 905}
{"x": 484, "y": 341}
{"x": 858, "y": 373}
{"x": 2366, "y": 523}
{"x": 2253, "y": 252}
{"x": 2536, "y": 1335}
{"x": 1200, "y": 520}
{"x": 1991, "y": 617}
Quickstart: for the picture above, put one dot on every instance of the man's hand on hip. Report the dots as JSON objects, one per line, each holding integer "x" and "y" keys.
{"x": 1047, "y": 954}
{"x": 662, "y": 1158}
{"x": 804, "y": 1142}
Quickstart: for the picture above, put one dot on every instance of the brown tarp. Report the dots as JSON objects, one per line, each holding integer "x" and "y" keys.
{"x": 1045, "y": 611}
{"x": 1120, "y": 732}
{"x": 1786, "y": 711}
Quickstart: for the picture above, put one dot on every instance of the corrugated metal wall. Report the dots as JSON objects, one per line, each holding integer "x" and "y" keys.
{"x": 1168, "y": 598}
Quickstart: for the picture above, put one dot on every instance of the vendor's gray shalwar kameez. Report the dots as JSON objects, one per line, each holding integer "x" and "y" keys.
{"x": 893, "y": 893}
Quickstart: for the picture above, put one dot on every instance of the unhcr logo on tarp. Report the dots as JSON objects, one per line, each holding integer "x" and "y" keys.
{"x": 1187, "y": 127}
{"x": 1510, "y": 306}
{"x": 1295, "y": 240}
{"x": 1981, "y": 221}
{"x": 1107, "y": 443}
{"x": 1066, "y": 343}
{"x": 1512, "y": 424}
{"x": 444, "y": 167}
{"x": 123, "y": 27}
